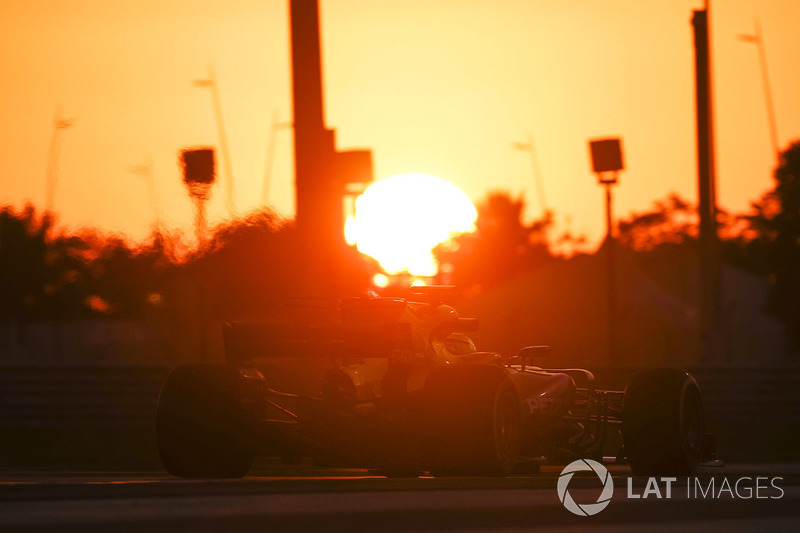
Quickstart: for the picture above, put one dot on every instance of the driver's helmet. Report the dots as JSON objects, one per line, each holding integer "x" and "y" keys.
{"x": 459, "y": 344}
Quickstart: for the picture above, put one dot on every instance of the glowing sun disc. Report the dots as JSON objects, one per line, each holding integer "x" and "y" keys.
{"x": 399, "y": 220}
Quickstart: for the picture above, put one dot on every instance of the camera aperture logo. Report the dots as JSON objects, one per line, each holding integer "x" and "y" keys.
{"x": 585, "y": 509}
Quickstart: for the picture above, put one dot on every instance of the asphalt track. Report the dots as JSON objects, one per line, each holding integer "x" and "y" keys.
{"x": 307, "y": 499}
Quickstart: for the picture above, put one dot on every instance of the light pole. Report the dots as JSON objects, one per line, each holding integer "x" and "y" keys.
{"x": 145, "y": 171}
{"x": 199, "y": 174}
{"x": 51, "y": 175}
{"x": 211, "y": 83}
{"x": 276, "y": 126}
{"x": 537, "y": 171}
{"x": 706, "y": 184}
{"x": 758, "y": 40}
{"x": 606, "y": 163}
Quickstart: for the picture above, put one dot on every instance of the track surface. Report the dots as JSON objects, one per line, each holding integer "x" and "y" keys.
{"x": 308, "y": 499}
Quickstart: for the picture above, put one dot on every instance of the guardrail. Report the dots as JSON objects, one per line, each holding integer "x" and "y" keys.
{"x": 42, "y": 397}
{"x": 754, "y": 411}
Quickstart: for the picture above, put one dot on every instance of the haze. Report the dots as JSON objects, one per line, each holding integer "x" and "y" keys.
{"x": 442, "y": 88}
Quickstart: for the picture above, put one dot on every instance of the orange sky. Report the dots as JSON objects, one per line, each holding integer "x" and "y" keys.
{"x": 440, "y": 87}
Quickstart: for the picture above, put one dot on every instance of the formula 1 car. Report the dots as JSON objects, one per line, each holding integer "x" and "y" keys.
{"x": 407, "y": 392}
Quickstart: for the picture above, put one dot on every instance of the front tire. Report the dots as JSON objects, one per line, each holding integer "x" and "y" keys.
{"x": 663, "y": 423}
{"x": 197, "y": 430}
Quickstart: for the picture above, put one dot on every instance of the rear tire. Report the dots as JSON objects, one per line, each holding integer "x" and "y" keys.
{"x": 474, "y": 422}
{"x": 197, "y": 424}
{"x": 663, "y": 423}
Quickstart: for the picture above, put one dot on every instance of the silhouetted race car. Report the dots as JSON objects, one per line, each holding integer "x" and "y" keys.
{"x": 407, "y": 392}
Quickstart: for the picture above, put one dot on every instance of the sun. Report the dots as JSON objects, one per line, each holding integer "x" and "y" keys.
{"x": 399, "y": 220}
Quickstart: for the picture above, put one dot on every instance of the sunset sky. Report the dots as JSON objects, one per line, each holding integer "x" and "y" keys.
{"x": 441, "y": 87}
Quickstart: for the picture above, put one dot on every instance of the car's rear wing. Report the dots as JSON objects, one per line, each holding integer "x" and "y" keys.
{"x": 254, "y": 339}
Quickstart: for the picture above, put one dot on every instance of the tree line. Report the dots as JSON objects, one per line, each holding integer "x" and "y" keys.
{"x": 245, "y": 266}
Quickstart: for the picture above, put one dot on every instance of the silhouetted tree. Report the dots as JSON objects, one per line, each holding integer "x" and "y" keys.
{"x": 501, "y": 246}
{"x": 244, "y": 268}
{"x": 252, "y": 263}
{"x": 50, "y": 275}
{"x": 42, "y": 275}
{"x": 766, "y": 241}
{"x": 772, "y": 244}
{"x": 128, "y": 281}
{"x": 671, "y": 221}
